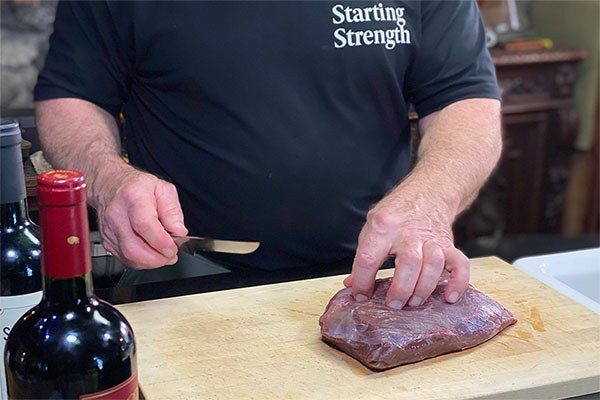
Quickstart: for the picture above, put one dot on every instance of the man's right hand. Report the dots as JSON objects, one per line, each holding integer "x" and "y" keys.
{"x": 136, "y": 218}
{"x": 136, "y": 210}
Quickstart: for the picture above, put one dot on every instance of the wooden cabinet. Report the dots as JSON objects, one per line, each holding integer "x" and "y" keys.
{"x": 526, "y": 193}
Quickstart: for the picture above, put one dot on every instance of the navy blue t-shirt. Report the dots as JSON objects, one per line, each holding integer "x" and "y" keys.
{"x": 277, "y": 121}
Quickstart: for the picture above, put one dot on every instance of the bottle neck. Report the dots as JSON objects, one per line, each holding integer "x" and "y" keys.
{"x": 13, "y": 213}
{"x": 12, "y": 175}
{"x": 66, "y": 251}
{"x": 78, "y": 289}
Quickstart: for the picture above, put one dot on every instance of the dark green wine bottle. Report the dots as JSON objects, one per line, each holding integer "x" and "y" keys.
{"x": 71, "y": 345}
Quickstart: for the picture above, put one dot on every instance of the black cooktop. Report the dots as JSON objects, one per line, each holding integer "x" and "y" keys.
{"x": 121, "y": 294}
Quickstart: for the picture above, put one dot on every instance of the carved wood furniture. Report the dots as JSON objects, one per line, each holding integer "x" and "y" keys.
{"x": 526, "y": 193}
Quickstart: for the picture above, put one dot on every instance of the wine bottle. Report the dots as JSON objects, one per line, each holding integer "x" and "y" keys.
{"x": 71, "y": 345}
{"x": 20, "y": 251}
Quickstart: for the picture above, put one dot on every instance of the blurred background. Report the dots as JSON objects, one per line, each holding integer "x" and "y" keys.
{"x": 543, "y": 198}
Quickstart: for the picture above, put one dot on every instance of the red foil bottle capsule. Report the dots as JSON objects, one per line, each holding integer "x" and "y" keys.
{"x": 64, "y": 221}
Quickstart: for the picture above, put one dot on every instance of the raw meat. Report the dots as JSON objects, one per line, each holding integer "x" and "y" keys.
{"x": 381, "y": 337}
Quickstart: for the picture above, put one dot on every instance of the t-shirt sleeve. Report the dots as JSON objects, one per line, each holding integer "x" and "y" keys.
{"x": 452, "y": 61}
{"x": 88, "y": 58}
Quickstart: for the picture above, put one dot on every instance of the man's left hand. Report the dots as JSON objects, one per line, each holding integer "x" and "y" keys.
{"x": 417, "y": 231}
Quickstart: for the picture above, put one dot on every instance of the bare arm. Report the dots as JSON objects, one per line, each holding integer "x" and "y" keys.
{"x": 80, "y": 135}
{"x": 460, "y": 147}
{"x": 136, "y": 210}
{"x": 461, "y": 144}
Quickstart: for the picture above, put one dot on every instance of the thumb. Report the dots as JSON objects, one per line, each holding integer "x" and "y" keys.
{"x": 348, "y": 281}
{"x": 169, "y": 209}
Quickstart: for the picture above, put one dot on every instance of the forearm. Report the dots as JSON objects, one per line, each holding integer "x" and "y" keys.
{"x": 460, "y": 147}
{"x": 77, "y": 134}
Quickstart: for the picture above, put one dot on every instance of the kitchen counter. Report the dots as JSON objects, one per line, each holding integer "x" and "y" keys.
{"x": 263, "y": 342}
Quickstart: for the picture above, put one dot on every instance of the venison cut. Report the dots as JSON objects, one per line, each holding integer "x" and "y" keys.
{"x": 381, "y": 337}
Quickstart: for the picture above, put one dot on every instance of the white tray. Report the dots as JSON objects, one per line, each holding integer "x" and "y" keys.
{"x": 576, "y": 274}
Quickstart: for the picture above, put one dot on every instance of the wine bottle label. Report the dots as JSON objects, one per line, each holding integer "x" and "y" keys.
{"x": 11, "y": 309}
{"x": 127, "y": 390}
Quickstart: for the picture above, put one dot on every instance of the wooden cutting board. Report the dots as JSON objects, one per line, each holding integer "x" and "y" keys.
{"x": 263, "y": 343}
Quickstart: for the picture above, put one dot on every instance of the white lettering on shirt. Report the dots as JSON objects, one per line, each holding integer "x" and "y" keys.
{"x": 388, "y": 37}
{"x": 339, "y": 36}
{"x": 336, "y": 10}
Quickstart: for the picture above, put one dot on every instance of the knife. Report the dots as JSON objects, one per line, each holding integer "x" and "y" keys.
{"x": 195, "y": 244}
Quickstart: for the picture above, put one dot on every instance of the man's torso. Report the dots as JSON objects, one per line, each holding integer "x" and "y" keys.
{"x": 280, "y": 122}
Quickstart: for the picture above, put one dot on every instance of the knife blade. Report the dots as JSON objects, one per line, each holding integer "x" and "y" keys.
{"x": 195, "y": 244}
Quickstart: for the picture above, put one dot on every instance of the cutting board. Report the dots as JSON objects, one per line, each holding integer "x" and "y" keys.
{"x": 263, "y": 343}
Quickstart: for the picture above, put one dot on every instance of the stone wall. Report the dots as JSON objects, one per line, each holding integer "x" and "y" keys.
{"x": 25, "y": 26}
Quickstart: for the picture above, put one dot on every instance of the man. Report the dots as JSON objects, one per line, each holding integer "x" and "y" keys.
{"x": 283, "y": 122}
